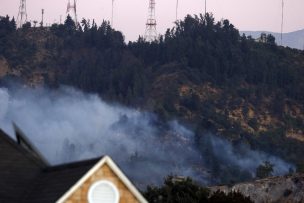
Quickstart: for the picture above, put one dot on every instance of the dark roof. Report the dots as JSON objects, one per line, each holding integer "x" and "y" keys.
{"x": 24, "y": 177}
{"x": 54, "y": 182}
{"x": 18, "y": 168}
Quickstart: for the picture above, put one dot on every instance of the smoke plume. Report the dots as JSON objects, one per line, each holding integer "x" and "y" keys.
{"x": 67, "y": 125}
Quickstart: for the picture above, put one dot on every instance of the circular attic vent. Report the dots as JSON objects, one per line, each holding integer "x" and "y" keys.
{"x": 103, "y": 192}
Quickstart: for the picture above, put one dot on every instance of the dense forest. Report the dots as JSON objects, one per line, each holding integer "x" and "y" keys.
{"x": 202, "y": 72}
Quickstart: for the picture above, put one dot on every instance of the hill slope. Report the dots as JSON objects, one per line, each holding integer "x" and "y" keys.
{"x": 292, "y": 39}
{"x": 201, "y": 72}
{"x": 274, "y": 189}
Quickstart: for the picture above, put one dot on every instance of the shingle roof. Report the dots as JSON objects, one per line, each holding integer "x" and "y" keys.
{"x": 26, "y": 178}
{"x": 53, "y": 182}
{"x": 18, "y": 168}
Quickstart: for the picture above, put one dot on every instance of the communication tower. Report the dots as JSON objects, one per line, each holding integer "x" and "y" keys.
{"x": 42, "y": 17}
{"x": 71, "y": 8}
{"x": 22, "y": 14}
{"x": 151, "y": 33}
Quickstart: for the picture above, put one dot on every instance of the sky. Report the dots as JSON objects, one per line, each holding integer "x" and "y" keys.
{"x": 130, "y": 16}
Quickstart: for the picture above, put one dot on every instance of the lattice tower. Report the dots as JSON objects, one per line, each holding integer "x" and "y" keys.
{"x": 22, "y": 14}
{"x": 151, "y": 32}
{"x": 72, "y": 8}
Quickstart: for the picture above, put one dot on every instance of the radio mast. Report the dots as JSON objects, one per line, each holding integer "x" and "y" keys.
{"x": 151, "y": 33}
{"x": 22, "y": 14}
{"x": 42, "y": 17}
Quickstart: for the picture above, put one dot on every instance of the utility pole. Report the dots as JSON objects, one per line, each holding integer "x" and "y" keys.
{"x": 176, "y": 10}
{"x": 282, "y": 22}
{"x": 205, "y": 7}
{"x": 151, "y": 33}
{"x": 22, "y": 14}
{"x": 42, "y": 19}
{"x": 112, "y": 13}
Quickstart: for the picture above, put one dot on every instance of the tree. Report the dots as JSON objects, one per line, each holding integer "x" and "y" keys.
{"x": 270, "y": 39}
{"x": 184, "y": 190}
{"x": 69, "y": 25}
{"x": 263, "y": 37}
{"x": 177, "y": 190}
{"x": 264, "y": 170}
{"x": 26, "y": 25}
{"x": 35, "y": 23}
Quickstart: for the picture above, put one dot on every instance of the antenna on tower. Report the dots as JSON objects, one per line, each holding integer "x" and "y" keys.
{"x": 42, "y": 13}
{"x": 282, "y": 23}
{"x": 74, "y": 10}
{"x": 22, "y": 14}
{"x": 151, "y": 33}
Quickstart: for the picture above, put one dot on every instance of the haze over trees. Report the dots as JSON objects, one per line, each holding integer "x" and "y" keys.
{"x": 201, "y": 72}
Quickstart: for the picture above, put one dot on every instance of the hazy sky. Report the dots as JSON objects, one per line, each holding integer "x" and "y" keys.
{"x": 130, "y": 16}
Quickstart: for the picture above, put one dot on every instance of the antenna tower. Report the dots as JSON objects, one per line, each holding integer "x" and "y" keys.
{"x": 72, "y": 7}
{"x": 42, "y": 17}
{"x": 151, "y": 33}
{"x": 282, "y": 23}
{"x": 22, "y": 14}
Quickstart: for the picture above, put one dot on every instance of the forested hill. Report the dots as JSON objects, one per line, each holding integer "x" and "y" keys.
{"x": 201, "y": 72}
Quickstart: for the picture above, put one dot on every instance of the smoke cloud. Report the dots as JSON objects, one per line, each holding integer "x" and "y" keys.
{"x": 67, "y": 125}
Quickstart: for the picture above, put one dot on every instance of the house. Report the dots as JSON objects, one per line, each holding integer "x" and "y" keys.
{"x": 27, "y": 177}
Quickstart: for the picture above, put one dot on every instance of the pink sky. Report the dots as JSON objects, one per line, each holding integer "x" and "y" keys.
{"x": 130, "y": 16}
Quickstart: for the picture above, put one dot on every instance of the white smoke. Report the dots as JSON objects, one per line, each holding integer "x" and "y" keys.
{"x": 242, "y": 157}
{"x": 67, "y": 125}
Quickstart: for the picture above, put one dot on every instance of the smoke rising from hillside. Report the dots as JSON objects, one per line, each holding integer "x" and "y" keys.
{"x": 68, "y": 125}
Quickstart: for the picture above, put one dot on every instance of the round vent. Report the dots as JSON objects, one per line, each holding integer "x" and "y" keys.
{"x": 103, "y": 192}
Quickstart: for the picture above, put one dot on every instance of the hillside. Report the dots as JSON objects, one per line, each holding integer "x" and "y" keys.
{"x": 273, "y": 189}
{"x": 291, "y": 39}
{"x": 201, "y": 72}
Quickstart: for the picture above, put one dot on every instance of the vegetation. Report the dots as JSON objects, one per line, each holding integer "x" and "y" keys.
{"x": 201, "y": 72}
{"x": 264, "y": 170}
{"x": 176, "y": 190}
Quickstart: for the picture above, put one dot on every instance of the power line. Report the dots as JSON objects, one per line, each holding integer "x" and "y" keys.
{"x": 282, "y": 22}
{"x": 112, "y": 13}
{"x": 176, "y": 10}
{"x": 205, "y": 7}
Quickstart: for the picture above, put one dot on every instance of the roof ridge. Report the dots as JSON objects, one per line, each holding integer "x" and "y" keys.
{"x": 26, "y": 143}
{"x": 72, "y": 164}
{"x": 22, "y": 151}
